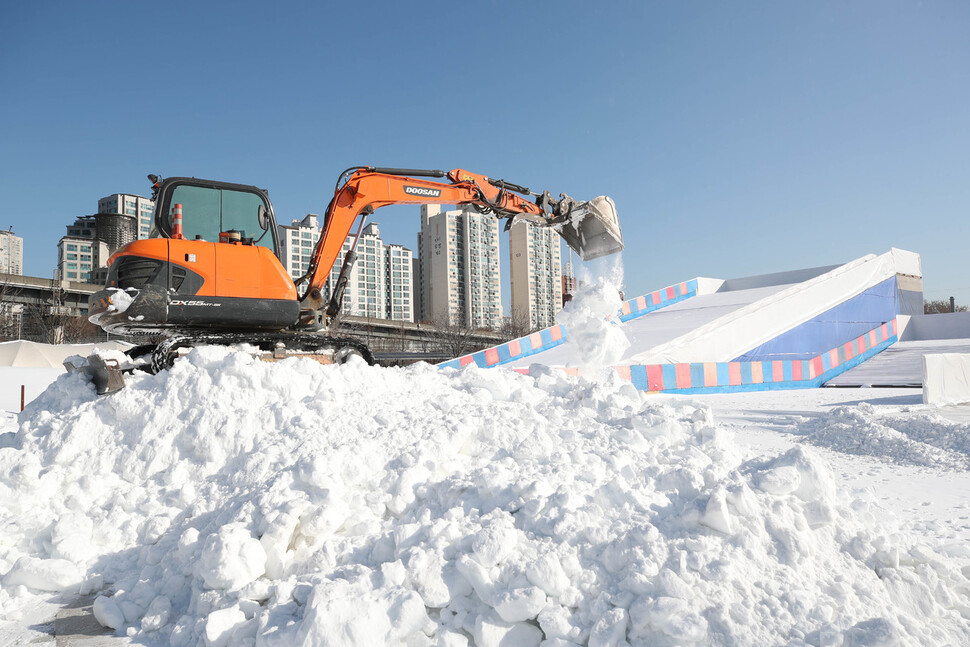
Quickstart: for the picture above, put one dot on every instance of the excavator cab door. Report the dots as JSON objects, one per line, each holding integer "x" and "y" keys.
{"x": 211, "y": 208}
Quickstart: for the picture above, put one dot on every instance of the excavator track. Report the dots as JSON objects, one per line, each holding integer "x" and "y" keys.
{"x": 164, "y": 354}
{"x": 107, "y": 375}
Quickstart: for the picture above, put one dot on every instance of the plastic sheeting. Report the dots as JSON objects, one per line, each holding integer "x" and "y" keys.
{"x": 858, "y": 315}
{"x": 946, "y": 379}
{"x": 733, "y": 335}
{"x": 28, "y": 353}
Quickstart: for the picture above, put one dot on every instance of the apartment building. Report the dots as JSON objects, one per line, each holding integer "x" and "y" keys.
{"x": 90, "y": 240}
{"x": 297, "y": 241}
{"x": 11, "y": 253}
{"x": 380, "y": 284}
{"x": 130, "y": 205}
{"x": 535, "y": 274}
{"x": 459, "y": 280}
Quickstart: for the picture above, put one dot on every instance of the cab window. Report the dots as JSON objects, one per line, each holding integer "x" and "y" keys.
{"x": 208, "y": 211}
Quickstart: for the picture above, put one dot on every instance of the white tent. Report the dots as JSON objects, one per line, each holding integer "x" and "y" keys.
{"x": 22, "y": 353}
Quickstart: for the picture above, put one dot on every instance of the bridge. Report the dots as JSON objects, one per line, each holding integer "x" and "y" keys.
{"x": 52, "y": 310}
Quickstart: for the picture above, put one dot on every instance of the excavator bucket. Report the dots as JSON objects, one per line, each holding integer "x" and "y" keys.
{"x": 592, "y": 228}
{"x": 106, "y": 375}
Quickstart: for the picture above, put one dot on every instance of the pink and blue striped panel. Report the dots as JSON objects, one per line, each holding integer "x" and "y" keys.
{"x": 725, "y": 377}
{"x": 521, "y": 347}
{"x": 647, "y": 303}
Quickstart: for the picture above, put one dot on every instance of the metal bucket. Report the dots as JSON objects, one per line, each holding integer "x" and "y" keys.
{"x": 593, "y": 228}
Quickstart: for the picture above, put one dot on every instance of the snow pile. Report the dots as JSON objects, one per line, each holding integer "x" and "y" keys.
{"x": 591, "y": 324}
{"x": 922, "y": 439}
{"x": 235, "y": 502}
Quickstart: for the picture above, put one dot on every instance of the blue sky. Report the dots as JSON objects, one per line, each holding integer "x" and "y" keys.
{"x": 736, "y": 138}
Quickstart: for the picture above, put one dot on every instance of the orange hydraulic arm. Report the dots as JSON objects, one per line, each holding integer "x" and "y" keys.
{"x": 369, "y": 188}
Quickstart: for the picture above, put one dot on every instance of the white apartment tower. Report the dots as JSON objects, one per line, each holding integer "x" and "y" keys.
{"x": 535, "y": 274}
{"x": 90, "y": 240}
{"x": 296, "y": 244}
{"x": 11, "y": 253}
{"x": 366, "y": 293}
{"x": 400, "y": 283}
{"x": 380, "y": 284}
{"x": 130, "y": 205}
{"x": 459, "y": 265}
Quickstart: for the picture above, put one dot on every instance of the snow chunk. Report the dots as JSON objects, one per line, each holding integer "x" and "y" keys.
{"x": 520, "y": 604}
{"x": 232, "y": 558}
{"x": 108, "y": 613}
{"x": 221, "y": 624}
{"x": 339, "y": 613}
{"x": 44, "y": 574}
{"x": 491, "y": 631}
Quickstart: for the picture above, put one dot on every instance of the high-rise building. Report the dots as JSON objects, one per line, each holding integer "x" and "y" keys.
{"x": 535, "y": 274}
{"x": 459, "y": 279}
{"x": 90, "y": 240}
{"x": 11, "y": 253}
{"x": 569, "y": 282}
{"x": 130, "y": 205}
{"x": 296, "y": 244}
{"x": 367, "y": 287}
{"x": 400, "y": 283}
{"x": 380, "y": 284}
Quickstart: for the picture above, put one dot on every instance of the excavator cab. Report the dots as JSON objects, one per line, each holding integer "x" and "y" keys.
{"x": 211, "y": 264}
{"x": 212, "y": 209}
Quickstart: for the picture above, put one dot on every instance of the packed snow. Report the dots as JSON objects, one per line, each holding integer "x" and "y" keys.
{"x": 230, "y": 501}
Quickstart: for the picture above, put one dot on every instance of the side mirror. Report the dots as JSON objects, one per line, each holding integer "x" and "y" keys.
{"x": 263, "y": 216}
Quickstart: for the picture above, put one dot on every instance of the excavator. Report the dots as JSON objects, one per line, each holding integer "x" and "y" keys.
{"x": 210, "y": 273}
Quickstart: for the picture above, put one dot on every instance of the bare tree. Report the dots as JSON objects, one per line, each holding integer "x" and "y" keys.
{"x": 452, "y": 338}
{"x": 10, "y": 312}
{"x": 515, "y": 326}
{"x": 940, "y": 306}
{"x": 78, "y": 330}
{"x": 47, "y": 320}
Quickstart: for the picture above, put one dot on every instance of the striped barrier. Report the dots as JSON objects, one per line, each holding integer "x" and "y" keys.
{"x": 765, "y": 375}
{"x": 515, "y": 349}
{"x": 658, "y": 299}
{"x": 556, "y": 335}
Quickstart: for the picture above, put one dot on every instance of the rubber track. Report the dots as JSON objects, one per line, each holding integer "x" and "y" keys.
{"x": 164, "y": 353}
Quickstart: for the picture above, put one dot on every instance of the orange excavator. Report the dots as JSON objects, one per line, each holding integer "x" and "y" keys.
{"x": 211, "y": 273}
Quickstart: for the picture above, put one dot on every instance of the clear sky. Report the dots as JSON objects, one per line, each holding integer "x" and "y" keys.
{"x": 736, "y": 138}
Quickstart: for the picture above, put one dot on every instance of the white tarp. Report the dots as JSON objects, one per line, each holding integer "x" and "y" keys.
{"x": 946, "y": 379}
{"x": 32, "y": 354}
{"x": 734, "y": 334}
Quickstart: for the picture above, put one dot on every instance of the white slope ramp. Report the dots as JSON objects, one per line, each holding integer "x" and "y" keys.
{"x": 728, "y": 318}
{"x": 731, "y": 335}
{"x": 230, "y": 501}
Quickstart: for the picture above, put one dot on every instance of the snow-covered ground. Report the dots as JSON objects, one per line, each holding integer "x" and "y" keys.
{"x": 235, "y": 502}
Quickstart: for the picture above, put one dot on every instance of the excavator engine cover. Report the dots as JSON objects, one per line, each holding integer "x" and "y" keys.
{"x": 592, "y": 228}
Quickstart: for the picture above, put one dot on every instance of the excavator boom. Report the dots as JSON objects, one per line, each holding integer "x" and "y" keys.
{"x": 590, "y": 228}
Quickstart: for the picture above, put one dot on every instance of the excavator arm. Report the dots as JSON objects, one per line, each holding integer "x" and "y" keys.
{"x": 591, "y": 228}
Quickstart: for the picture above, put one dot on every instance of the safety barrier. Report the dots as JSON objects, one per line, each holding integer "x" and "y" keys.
{"x": 728, "y": 377}
{"x": 657, "y": 299}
